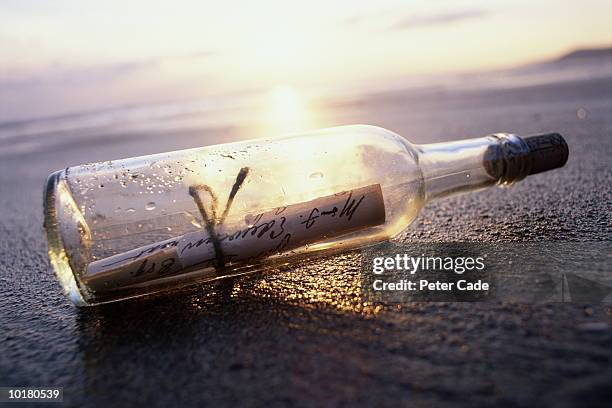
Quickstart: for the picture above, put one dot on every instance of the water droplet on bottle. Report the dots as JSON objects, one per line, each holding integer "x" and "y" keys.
{"x": 130, "y": 210}
{"x": 150, "y": 206}
{"x": 316, "y": 175}
{"x": 467, "y": 175}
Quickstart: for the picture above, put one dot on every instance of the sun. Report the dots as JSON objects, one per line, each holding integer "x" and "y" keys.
{"x": 287, "y": 110}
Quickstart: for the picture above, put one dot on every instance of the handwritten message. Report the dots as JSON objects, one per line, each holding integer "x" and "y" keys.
{"x": 265, "y": 234}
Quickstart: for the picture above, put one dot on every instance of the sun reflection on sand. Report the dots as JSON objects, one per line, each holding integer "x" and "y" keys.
{"x": 318, "y": 283}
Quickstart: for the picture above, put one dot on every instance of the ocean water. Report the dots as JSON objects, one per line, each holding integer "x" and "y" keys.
{"x": 287, "y": 110}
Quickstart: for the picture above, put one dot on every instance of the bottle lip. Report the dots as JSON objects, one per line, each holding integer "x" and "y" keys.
{"x": 507, "y": 159}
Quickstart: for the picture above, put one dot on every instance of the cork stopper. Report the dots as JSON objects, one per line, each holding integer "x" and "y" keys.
{"x": 512, "y": 158}
{"x": 546, "y": 152}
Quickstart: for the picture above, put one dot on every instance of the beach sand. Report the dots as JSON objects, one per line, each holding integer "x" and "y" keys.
{"x": 302, "y": 336}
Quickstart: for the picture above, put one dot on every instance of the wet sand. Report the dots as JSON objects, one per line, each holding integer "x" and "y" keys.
{"x": 303, "y": 336}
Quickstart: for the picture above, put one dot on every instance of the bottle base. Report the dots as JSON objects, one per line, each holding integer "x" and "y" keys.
{"x": 56, "y": 249}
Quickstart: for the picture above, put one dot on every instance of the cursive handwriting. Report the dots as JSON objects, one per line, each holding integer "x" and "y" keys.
{"x": 349, "y": 208}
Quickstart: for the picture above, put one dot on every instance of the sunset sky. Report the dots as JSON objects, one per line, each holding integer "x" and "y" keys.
{"x": 63, "y": 56}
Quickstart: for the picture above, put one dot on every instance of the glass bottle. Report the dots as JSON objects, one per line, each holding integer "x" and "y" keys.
{"x": 136, "y": 226}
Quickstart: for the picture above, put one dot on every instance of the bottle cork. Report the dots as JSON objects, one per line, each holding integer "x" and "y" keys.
{"x": 546, "y": 152}
{"x": 516, "y": 157}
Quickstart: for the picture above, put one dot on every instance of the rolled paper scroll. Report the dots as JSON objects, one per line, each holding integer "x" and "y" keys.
{"x": 265, "y": 234}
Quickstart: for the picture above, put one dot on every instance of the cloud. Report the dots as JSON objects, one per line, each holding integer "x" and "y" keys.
{"x": 58, "y": 88}
{"x": 74, "y": 75}
{"x": 427, "y": 20}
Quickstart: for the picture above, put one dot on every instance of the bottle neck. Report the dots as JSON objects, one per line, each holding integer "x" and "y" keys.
{"x": 473, "y": 164}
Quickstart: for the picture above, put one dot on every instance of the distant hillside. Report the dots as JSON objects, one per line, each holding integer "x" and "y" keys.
{"x": 586, "y": 54}
{"x": 577, "y": 65}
